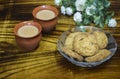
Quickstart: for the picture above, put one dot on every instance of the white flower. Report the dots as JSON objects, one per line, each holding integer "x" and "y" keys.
{"x": 80, "y": 4}
{"x": 112, "y": 23}
{"x": 88, "y": 9}
{"x": 77, "y": 17}
{"x": 57, "y": 2}
{"x": 63, "y": 10}
{"x": 69, "y": 11}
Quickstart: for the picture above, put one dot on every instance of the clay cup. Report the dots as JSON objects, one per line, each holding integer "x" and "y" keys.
{"x": 47, "y": 25}
{"x": 28, "y": 43}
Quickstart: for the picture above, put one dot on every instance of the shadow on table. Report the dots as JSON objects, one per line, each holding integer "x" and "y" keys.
{"x": 10, "y": 48}
{"x": 10, "y": 52}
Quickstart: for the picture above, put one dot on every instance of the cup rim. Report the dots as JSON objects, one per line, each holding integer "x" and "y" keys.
{"x": 21, "y": 24}
{"x": 45, "y": 7}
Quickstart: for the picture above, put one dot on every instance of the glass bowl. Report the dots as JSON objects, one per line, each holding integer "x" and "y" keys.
{"x": 112, "y": 46}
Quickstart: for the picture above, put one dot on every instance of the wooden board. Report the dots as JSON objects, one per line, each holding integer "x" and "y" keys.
{"x": 46, "y": 62}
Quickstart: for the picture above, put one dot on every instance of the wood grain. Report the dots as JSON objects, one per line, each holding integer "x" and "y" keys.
{"x": 45, "y": 62}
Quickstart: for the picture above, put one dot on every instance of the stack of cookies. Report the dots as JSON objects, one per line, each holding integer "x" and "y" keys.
{"x": 86, "y": 46}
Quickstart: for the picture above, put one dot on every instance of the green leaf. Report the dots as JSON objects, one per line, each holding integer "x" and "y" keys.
{"x": 107, "y": 19}
{"x": 110, "y": 14}
{"x": 96, "y": 20}
{"x": 101, "y": 7}
{"x": 101, "y": 13}
{"x": 86, "y": 21}
{"x": 91, "y": 1}
{"x": 78, "y": 23}
{"x": 92, "y": 11}
{"x": 94, "y": 3}
{"x": 68, "y": 3}
{"x": 101, "y": 24}
{"x": 107, "y": 3}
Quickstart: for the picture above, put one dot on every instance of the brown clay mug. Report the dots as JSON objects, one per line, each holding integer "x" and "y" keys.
{"x": 48, "y": 22}
{"x": 28, "y": 34}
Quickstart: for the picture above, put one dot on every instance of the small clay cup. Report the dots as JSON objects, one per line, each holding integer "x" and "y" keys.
{"x": 28, "y": 43}
{"x": 47, "y": 25}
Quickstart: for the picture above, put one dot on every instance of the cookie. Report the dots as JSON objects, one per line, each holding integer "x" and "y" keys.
{"x": 72, "y": 54}
{"x": 102, "y": 54}
{"x": 69, "y": 40}
{"x": 101, "y": 39}
{"x": 85, "y": 44}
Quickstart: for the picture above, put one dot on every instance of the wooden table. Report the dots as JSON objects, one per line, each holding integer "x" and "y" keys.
{"x": 46, "y": 62}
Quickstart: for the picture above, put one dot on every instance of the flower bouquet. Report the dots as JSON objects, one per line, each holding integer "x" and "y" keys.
{"x": 86, "y": 12}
